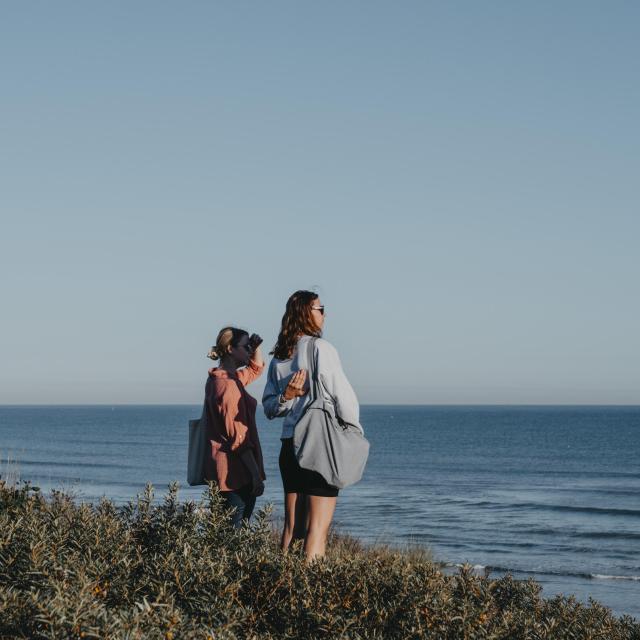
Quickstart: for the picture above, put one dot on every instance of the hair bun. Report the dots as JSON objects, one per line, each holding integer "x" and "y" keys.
{"x": 213, "y": 354}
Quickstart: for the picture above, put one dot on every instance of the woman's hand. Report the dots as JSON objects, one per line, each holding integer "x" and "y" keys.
{"x": 257, "y": 486}
{"x": 256, "y": 352}
{"x": 295, "y": 388}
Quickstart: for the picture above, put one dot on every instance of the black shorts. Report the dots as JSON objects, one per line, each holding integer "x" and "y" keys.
{"x": 295, "y": 479}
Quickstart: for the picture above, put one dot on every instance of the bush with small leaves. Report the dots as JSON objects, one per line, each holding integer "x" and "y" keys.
{"x": 172, "y": 570}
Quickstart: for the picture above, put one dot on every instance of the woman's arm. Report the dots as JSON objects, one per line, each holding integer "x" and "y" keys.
{"x": 249, "y": 460}
{"x": 273, "y": 403}
{"x": 228, "y": 402}
{"x": 253, "y": 370}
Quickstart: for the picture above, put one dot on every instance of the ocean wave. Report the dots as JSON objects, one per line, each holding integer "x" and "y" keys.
{"x": 540, "y": 506}
{"x": 487, "y": 569}
{"x": 72, "y": 464}
{"x": 607, "y": 535}
{"x": 582, "y": 509}
{"x": 595, "y": 535}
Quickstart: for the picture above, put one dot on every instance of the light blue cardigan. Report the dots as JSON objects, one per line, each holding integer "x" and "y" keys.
{"x": 332, "y": 378}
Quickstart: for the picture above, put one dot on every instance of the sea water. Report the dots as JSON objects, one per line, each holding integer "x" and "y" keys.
{"x": 551, "y": 493}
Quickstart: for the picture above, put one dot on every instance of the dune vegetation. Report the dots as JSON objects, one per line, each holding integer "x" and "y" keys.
{"x": 171, "y": 569}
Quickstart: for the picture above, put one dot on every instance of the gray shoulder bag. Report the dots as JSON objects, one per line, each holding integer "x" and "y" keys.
{"x": 198, "y": 449}
{"x": 322, "y": 442}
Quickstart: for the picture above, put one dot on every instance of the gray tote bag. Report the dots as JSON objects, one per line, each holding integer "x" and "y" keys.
{"x": 198, "y": 449}
{"x": 322, "y": 442}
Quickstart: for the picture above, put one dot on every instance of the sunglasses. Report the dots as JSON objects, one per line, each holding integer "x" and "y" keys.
{"x": 320, "y": 309}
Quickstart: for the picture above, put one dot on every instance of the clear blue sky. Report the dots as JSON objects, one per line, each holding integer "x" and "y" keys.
{"x": 458, "y": 179}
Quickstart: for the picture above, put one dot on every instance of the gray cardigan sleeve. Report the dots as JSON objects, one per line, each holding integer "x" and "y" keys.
{"x": 271, "y": 404}
{"x": 335, "y": 383}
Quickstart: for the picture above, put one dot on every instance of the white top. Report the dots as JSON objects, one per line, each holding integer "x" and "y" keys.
{"x": 333, "y": 382}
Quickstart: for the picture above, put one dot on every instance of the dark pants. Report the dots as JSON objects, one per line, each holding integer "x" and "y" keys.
{"x": 295, "y": 479}
{"x": 241, "y": 503}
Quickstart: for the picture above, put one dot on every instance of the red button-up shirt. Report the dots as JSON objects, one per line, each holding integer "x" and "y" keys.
{"x": 231, "y": 417}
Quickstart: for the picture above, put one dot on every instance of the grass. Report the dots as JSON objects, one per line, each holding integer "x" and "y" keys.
{"x": 10, "y": 470}
{"x": 177, "y": 570}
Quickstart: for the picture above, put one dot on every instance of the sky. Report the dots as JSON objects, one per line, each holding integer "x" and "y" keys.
{"x": 457, "y": 180}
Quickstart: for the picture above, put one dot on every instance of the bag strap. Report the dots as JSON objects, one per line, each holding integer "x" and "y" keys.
{"x": 313, "y": 374}
{"x": 315, "y": 391}
{"x": 204, "y": 407}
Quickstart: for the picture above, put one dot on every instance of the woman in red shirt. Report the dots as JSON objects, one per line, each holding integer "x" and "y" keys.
{"x": 236, "y": 457}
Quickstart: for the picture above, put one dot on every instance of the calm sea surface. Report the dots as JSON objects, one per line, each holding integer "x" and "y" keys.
{"x": 546, "y": 492}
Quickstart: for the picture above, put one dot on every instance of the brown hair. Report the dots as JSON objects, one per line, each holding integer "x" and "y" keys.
{"x": 228, "y": 337}
{"x": 297, "y": 320}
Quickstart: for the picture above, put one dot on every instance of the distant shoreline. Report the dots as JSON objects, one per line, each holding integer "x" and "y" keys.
{"x": 369, "y": 404}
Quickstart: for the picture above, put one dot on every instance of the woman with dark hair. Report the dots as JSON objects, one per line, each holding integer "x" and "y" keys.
{"x": 309, "y": 501}
{"x": 236, "y": 457}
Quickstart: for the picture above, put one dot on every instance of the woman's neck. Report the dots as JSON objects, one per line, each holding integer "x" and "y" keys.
{"x": 228, "y": 365}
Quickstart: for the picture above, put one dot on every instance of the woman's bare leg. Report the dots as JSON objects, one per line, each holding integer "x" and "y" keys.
{"x": 295, "y": 519}
{"x": 321, "y": 511}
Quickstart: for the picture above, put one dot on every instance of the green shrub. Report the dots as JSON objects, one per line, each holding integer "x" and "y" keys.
{"x": 171, "y": 570}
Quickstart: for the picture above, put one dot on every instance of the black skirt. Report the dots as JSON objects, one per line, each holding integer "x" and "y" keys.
{"x": 295, "y": 479}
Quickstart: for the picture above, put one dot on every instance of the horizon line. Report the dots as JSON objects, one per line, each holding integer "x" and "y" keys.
{"x": 363, "y": 404}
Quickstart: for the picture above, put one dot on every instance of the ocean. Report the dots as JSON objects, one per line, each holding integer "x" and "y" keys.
{"x": 551, "y": 493}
